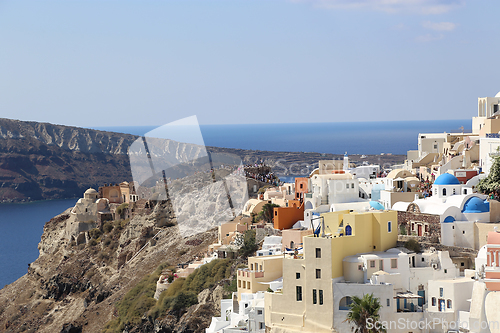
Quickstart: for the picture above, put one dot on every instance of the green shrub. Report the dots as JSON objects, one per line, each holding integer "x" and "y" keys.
{"x": 106, "y": 241}
{"x": 231, "y": 287}
{"x": 92, "y": 242}
{"x": 136, "y": 302}
{"x": 181, "y": 294}
{"x": 120, "y": 209}
{"x": 107, "y": 227}
{"x": 95, "y": 233}
{"x": 413, "y": 245}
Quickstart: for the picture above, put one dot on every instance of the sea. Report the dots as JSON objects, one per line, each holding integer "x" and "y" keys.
{"x": 22, "y": 228}
{"x": 22, "y": 224}
{"x": 396, "y": 137}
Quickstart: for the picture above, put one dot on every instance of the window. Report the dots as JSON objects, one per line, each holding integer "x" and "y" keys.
{"x": 394, "y": 263}
{"x": 298, "y": 291}
{"x": 445, "y": 271}
{"x": 244, "y": 284}
{"x": 433, "y": 301}
{"x": 301, "y": 186}
{"x": 360, "y": 267}
{"x": 251, "y": 267}
{"x": 248, "y": 285}
{"x": 441, "y": 292}
{"x": 465, "y": 191}
{"x": 246, "y": 305}
{"x": 372, "y": 263}
{"x": 239, "y": 283}
{"x": 315, "y": 300}
{"x": 318, "y": 273}
{"x": 318, "y": 252}
{"x": 453, "y": 191}
{"x": 352, "y": 185}
{"x": 448, "y": 304}
{"x": 262, "y": 326}
{"x": 321, "y": 297}
{"x": 389, "y": 226}
{"x": 444, "y": 192}
{"x": 388, "y": 302}
{"x": 347, "y": 186}
{"x": 259, "y": 312}
{"x": 462, "y": 264}
{"x": 275, "y": 213}
{"x": 381, "y": 265}
{"x": 423, "y": 259}
{"x": 297, "y": 275}
{"x": 426, "y": 228}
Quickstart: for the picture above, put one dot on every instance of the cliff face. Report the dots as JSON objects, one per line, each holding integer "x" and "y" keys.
{"x": 74, "y": 288}
{"x": 44, "y": 161}
{"x": 41, "y": 161}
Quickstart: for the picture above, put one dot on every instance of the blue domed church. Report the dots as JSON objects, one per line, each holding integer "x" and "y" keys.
{"x": 453, "y": 215}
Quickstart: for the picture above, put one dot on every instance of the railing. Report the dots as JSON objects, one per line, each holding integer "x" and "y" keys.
{"x": 245, "y": 272}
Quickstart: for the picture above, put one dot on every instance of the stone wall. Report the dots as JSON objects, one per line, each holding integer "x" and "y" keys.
{"x": 404, "y": 219}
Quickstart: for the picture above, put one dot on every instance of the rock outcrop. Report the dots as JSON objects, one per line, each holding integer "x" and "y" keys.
{"x": 74, "y": 288}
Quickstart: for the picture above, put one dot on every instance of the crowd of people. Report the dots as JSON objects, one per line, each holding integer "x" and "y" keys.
{"x": 261, "y": 172}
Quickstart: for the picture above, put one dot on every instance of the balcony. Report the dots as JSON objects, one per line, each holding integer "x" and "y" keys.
{"x": 245, "y": 272}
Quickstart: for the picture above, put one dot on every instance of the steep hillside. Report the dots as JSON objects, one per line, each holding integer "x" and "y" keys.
{"x": 74, "y": 288}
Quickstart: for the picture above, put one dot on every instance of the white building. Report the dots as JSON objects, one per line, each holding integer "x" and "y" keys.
{"x": 271, "y": 246}
{"x": 246, "y": 315}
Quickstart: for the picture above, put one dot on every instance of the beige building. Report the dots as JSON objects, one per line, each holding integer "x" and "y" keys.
{"x": 293, "y": 238}
{"x": 260, "y": 269}
{"x": 306, "y": 302}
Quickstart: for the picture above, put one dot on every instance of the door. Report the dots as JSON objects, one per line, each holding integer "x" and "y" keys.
{"x": 348, "y": 230}
{"x": 421, "y": 301}
{"x": 420, "y": 230}
{"x": 441, "y": 305}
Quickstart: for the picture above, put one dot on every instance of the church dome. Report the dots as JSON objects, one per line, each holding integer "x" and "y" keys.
{"x": 476, "y": 205}
{"x": 498, "y": 94}
{"x": 90, "y": 191}
{"x": 447, "y": 179}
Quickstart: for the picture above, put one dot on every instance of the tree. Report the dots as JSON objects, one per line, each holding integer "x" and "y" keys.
{"x": 267, "y": 212}
{"x": 492, "y": 182}
{"x": 364, "y": 314}
{"x": 249, "y": 244}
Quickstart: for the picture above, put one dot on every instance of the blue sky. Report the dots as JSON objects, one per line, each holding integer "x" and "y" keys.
{"x": 118, "y": 63}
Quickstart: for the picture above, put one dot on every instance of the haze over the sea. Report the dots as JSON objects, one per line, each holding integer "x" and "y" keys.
{"x": 396, "y": 137}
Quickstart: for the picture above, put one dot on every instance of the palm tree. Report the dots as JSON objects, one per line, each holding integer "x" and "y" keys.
{"x": 364, "y": 311}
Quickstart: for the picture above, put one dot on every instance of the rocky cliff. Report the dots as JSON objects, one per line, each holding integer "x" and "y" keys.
{"x": 45, "y": 161}
{"x": 74, "y": 288}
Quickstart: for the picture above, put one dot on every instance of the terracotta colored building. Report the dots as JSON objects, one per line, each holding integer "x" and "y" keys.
{"x": 301, "y": 187}
{"x": 286, "y": 217}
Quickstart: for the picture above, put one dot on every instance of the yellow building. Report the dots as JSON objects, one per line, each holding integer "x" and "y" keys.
{"x": 260, "y": 269}
{"x": 306, "y": 300}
